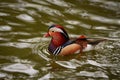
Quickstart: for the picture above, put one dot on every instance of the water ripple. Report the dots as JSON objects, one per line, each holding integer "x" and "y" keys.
{"x": 41, "y": 2}
{"x": 107, "y": 4}
{"x": 46, "y": 77}
{"x": 114, "y": 34}
{"x": 5, "y": 28}
{"x": 44, "y": 9}
{"x": 69, "y": 64}
{"x": 16, "y": 44}
{"x": 40, "y": 49}
{"x": 104, "y": 19}
{"x": 22, "y": 68}
{"x": 4, "y": 14}
{"x": 96, "y": 74}
{"x": 59, "y": 3}
{"x": 2, "y": 75}
{"x": 25, "y": 17}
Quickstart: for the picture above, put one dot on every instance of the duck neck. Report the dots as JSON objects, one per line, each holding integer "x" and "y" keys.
{"x": 56, "y": 42}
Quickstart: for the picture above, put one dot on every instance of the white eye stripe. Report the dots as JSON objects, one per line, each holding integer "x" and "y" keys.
{"x": 55, "y": 29}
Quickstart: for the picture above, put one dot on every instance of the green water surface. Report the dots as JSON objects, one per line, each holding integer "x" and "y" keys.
{"x": 23, "y": 50}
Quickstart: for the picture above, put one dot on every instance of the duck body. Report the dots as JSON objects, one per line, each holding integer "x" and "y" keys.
{"x": 61, "y": 44}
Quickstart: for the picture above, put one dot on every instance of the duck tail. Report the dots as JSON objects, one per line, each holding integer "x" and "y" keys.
{"x": 95, "y": 42}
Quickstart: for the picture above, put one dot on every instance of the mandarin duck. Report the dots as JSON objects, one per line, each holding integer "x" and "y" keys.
{"x": 61, "y": 44}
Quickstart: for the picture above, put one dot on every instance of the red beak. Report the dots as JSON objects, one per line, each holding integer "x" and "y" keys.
{"x": 46, "y": 35}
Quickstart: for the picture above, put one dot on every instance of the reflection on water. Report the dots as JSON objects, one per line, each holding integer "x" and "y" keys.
{"x": 97, "y": 74}
{"x": 22, "y": 68}
{"x": 23, "y": 50}
{"x": 5, "y": 28}
{"x": 25, "y": 17}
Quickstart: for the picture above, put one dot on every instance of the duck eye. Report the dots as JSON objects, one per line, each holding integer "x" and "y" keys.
{"x": 53, "y": 31}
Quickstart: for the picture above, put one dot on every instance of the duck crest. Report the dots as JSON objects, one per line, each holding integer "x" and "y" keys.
{"x": 60, "y": 27}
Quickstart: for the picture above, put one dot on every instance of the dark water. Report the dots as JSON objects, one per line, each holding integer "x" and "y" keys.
{"x": 23, "y": 50}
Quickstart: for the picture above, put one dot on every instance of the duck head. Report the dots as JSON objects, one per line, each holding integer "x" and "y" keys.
{"x": 59, "y": 37}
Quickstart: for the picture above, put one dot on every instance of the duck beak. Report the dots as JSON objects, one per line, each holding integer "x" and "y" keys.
{"x": 46, "y": 35}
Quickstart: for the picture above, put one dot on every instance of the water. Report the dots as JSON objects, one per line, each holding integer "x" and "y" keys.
{"x": 23, "y": 50}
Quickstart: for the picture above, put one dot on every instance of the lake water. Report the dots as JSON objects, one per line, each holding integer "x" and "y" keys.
{"x": 23, "y": 50}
